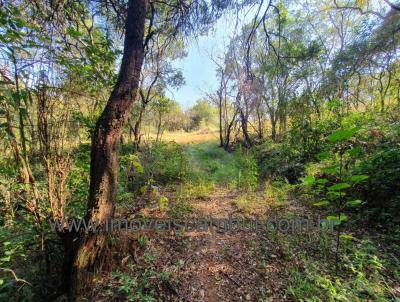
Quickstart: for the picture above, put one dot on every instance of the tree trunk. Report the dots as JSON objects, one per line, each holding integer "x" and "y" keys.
{"x": 104, "y": 159}
{"x": 246, "y": 136}
{"x": 260, "y": 122}
{"x": 221, "y": 138}
{"x": 273, "y": 130}
{"x": 272, "y": 117}
{"x": 229, "y": 130}
{"x": 136, "y": 129}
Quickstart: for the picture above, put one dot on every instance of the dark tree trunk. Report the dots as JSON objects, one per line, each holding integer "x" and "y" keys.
{"x": 228, "y": 137}
{"x": 273, "y": 129}
{"x": 229, "y": 130}
{"x": 159, "y": 124}
{"x": 221, "y": 137}
{"x": 273, "y": 119}
{"x": 104, "y": 159}
{"x": 246, "y": 136}
{"x": 260, "y": 122}
{"x": 136, "y": 129}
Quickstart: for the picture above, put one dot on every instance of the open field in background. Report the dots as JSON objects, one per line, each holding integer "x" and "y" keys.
{"x": 182, "y": 137}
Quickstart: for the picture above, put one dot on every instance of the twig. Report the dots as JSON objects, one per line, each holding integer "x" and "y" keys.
{"x": 15, "y": 276}
{"x": 230, "y": 278}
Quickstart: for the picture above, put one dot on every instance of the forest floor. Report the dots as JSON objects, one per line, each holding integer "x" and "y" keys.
{"x": 216, "y": 262}
{"x": 211, "y": 263}
{"x": 224, "y": 265}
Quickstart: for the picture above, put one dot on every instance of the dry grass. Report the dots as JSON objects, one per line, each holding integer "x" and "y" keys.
{"x": 182, "y": 137}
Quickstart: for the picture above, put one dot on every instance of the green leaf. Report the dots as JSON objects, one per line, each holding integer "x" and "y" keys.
{"x": 20, "y": 22}
{"x": 321, "y": 203}
{"x": 339, "y": 186}
{"x": 334, "y": 219}
{"x": 322, "y": 181}
{"x": 331, "y": 169}
{"x": 323, "y": 155}
{"x": 5, "y": 259}
{"x": 347, "y": 237}
{"x": 354, "y": 203}
{"x": 309, "y": 180}
{"x": 359, "y": 178}
{"x": 343, "y": 217}
{"x": 73, "y": 32}
{"x": 334, "y": 194}
{"x": 1, "y": 282}
{"x": 342, "y": 134}
{"x": 355, "y": 151}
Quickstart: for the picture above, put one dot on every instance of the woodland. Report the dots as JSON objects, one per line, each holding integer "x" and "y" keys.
{"x": 302, "y": 121}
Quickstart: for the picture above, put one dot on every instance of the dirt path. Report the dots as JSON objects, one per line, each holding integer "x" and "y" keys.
{"x": 225, "y": 265}
{"x": 197, "y": 265}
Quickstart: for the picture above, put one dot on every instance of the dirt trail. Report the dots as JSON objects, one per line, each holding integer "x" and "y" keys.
{"x": 223, "y": 265}
{"x": 198, "y": 265}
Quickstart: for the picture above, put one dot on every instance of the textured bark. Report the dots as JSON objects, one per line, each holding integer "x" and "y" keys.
{"x": 244, "y": 120}
{"x": 104, "y": 162}
{"x": 260, "y": 122}
{"x": 221, "y": 137}
{"x": 136, "y": 129}
{"x": 104, "y": 157}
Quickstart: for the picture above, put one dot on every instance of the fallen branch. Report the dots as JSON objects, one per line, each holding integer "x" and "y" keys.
{"x": 15, "y": 276}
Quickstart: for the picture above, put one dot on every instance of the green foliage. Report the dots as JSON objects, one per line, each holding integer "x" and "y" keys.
{"x": 180, "y": 209}
{"x": 277, "y": 190}
{"x": 246, "y": 202}
{"x": 201, "y": 112}
{"x": 363, "y": 280}
{"x": 87, "y": 122}
{"x": 213, "y": 164}
{"x": 381, "y": 189}
{"x": 334, "y": 193}
{"x": 159, "y": 163}
{"x": 136, "y": 289}
{"x": 165, "y": 162}
{"x": 78, "y": 182}
{"x": 342, "y": 135}
{"x": 369, "y": 167}
{"x": 247, "y": 177}
{"x": 278, "y": 161}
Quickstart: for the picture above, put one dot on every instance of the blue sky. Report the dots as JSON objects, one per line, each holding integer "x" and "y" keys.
{"x": 198, "y": 68}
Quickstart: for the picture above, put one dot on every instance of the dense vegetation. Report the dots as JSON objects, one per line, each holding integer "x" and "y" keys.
{"x": 304, "y": 122}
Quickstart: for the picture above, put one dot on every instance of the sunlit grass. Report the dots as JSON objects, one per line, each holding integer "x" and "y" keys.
{"x": 182, "y": 137}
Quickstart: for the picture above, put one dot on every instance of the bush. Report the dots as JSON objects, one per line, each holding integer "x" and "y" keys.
{"x": 247, "y": 176}
{"x": 382, "y": 189}
{"x": 373, "y": 152}
{"x": 165, "y": 162}
{"x": 276, "y": 161}
{"x": 363, "y": 280}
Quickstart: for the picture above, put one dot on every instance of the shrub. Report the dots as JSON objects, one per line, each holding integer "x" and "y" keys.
{"x": 247, "y": 176}
{"x": 165, "y": 162}
{"x": 362, "y": 282}
{"x": 382, "y": 189}
{"x": 159, "y": 163}
{"x": 278, "y": 161}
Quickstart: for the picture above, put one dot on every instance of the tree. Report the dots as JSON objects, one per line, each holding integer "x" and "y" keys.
{"x": 202, "y": 111}
{"x": 108, "y": 130}
{"x": 104, "y": 162}
{"x": 156, "y": 75}
{"x": 161, "y": 107}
